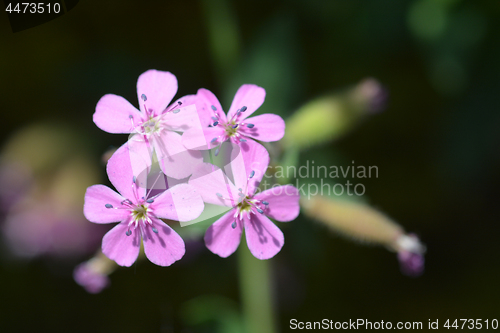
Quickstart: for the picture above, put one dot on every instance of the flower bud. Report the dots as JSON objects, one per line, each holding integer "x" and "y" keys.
{"x": 362, "y": 222}
{"x": 93, "y": 274}
{"x": 327, "y": 118}
{"x": 353, "y": 219}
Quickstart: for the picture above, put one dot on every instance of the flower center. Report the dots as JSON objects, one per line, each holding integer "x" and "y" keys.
{"x": 151, "y": 126}
{"x": 141, "y": 217}
{"x": 231, "y": 128}
{"x": 140, "y": 213}
{"x": 248, "y": 205}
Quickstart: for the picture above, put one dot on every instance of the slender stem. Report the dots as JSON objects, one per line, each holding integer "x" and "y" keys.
{"x": 255, "y": 289}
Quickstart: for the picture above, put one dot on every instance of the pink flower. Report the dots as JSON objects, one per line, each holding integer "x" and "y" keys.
{"x": 236, "y": 127}
{"x": 155, "y": 124}
{"x": 250, "y": 210}
{"x": 139, "y": 215}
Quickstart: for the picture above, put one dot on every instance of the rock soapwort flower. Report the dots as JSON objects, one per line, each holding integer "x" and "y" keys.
{"x": 250, "y": 209}
{"x": 236, "y": 127}
{"x": 155, "y": 124}
{"x": 138, "y": 214}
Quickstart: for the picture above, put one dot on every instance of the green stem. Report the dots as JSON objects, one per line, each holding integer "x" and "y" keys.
{"x": 255, "y": 289}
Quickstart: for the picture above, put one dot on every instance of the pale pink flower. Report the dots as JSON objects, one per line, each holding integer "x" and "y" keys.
{"x": 155, "y": 123}
{"x": 250, "y": 209}
{"x": 236, "y": 127}
{"x": 138, "y": 214}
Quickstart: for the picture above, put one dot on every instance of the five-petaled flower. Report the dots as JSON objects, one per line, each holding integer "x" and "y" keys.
{"x": 139, "y": 215}
{"x": 155, "y": 125}
{"x": 236, "y": 126}
{"x": 250, "y": 209}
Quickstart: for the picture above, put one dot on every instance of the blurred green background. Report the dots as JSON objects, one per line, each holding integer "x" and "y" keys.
{"x": 437, "y": 147}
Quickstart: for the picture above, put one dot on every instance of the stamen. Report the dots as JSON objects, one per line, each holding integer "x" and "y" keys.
{"x": 233, "y": 225}
{"x": 127, "y": 201}
{"x": 155, "y": 230}
{"x": 250, "y": 125}
{"x": 251, "y": 174}
{"x": 108, "y": 206}
{"x": 216, "y": 123}
{"x": 128, "y": 233}
{"x": 214, "y": 119}
{"x": 243, "y": 140}
{"x": 217, "y": 151}
{"x": 265, "y": 203}
{"x": 213, "y": 140}
{"x": 176, "y": 111}
{"x": 260, "y": 210}
{"x": 243, "y": 109}
{"x": 144, "y": 98}
{"x": 219, "y": 195}
{"x": 134, "y": 179}
{"x": 235, "y": 126}
{"x": 214, "y": 108}
{"x": 150, "y": 200}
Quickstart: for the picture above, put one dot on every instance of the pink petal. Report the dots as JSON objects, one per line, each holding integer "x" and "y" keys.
{"x": 201, "y": 138}
{"x": 165, "y": 247}
{"x": 112, "y": 114}
{"x": 205, "y": 103}
{"x": 267, "y": 127}
{"x": 175, "y": 160}
{"x": 123, "y": 249}
{"x": 283, "y": 202}
{"x": 264, "y": 238}
{"x": 125, "y": 166}
{"x": 158, "y": 87}
{"x": 182, "y": 119}
{"x": 253, "y": 158}
{"x": 221, "y": 238}
{"x": 179, "y": 203}
{"x": 208, "y": 180}
{"x": 248, "y": 95}
{"x": 96, "y": 199}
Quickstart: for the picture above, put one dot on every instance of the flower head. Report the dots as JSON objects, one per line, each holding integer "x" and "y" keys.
{"x": 236, "y": 126}
{"x": 249, "y": 209}
{"x": 139, "y": 215}
{"x": 155, "y": 123}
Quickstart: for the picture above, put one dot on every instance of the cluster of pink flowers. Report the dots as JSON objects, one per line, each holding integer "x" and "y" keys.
{"x": 175, "y": 136}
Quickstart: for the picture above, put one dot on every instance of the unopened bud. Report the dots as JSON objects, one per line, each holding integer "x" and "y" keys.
{"x": 362, "y": 222}
{"x": 353, "y": 219}
{"x": 327, "y": 118}
{"x": 93, "y": 274}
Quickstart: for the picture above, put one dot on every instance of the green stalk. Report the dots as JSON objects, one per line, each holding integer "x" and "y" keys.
{"x": 255, "y": 289}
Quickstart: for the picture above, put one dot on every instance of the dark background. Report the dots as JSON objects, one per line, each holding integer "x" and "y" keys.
{"x": 437, "y": 146}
